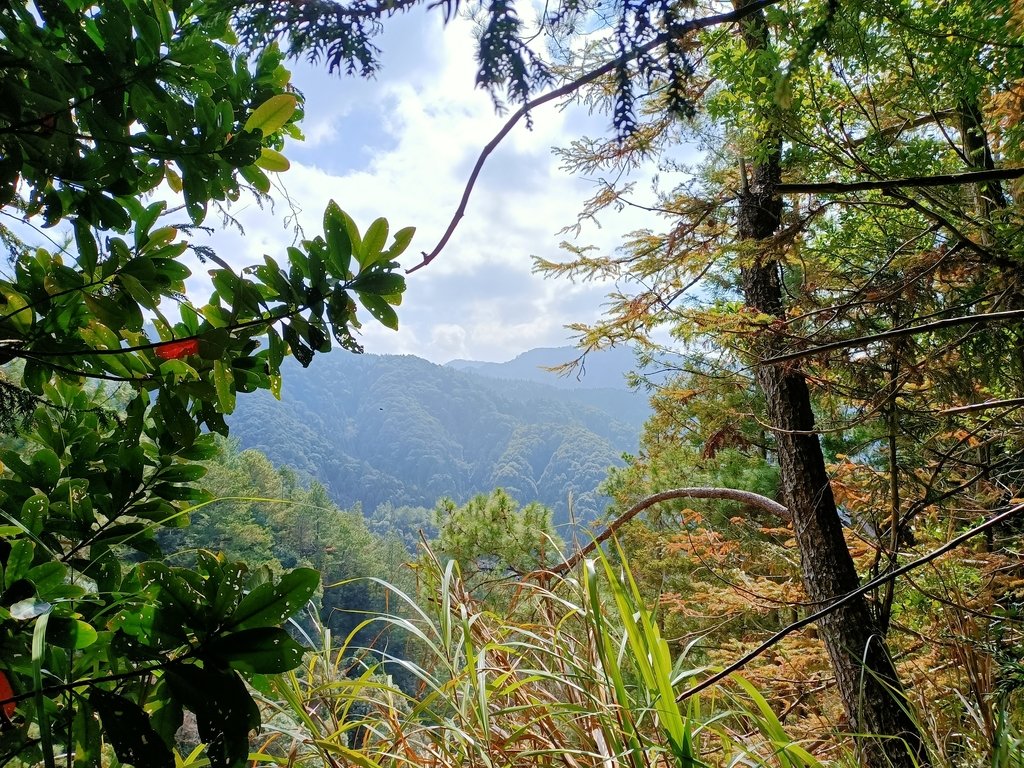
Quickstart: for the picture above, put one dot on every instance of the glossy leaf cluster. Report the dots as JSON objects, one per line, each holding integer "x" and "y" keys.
{"x": 108, "y": 105}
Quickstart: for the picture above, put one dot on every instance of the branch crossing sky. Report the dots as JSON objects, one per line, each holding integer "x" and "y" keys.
{"x": 402, "y": 146}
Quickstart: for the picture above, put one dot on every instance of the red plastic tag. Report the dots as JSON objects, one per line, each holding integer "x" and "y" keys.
{"x": 174, "y": 350}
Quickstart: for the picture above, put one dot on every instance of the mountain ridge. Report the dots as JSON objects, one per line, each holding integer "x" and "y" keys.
{"x": 399, "y": 429}
{"x": 600, "y": 369}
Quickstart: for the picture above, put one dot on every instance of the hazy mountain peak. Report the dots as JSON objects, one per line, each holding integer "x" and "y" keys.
{"x": 602, "y": 369}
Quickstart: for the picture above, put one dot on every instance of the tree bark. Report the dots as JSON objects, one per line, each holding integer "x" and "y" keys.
{"x": 872, "y": 694}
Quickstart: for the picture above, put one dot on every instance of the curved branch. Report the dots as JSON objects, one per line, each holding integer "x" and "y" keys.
{"x": 700, "y": 492}
{"x": 565, "y": 90}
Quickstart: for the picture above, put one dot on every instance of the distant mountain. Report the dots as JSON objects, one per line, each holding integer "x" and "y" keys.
{"x": 603, "y": 369}
{"x": 399, "y": 429}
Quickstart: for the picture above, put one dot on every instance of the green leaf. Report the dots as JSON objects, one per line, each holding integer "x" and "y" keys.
{"x": 256, "y": 177}
{"x": 46, "y": 467}
{"x": 26, "y": 610}
{"x": 129, "y": 731}
{"x": 272, "y": 160}
{"x": 88, "y": 252}
{"x": 380, "y": 309}
{"x": 196, "y": 194}
{"x": 34, "y": 511}
{"x": 373, "y": 242}
{"x": 339, "y": 244}
{"x": 183, "y": 473}
{"x": 16, "y": 310}
{"x": 380, "y": 283}
{"x": 224, "y": 381}
{"x": 163, "y": 18}
{"x": 402, "y": 239}
{"x": 271, "y": 604}
{"x": 272, "y": 114}
{"x": 263, "y": 650}
{"x": 19, "y": 560}
{"x": 87, "y": 733}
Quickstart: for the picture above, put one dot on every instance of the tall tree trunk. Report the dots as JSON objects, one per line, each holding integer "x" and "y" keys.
{"x": 867, "y": 681}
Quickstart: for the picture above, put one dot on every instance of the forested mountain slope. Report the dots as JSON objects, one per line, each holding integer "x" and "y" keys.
{"x": 399, "y": 429}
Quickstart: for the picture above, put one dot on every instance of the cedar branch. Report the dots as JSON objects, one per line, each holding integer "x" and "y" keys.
{"x": 863, "y": 341}
{"x": 571, "y": 87}
{"x": 877, "y": 582}
{"x": 728, "y": 494}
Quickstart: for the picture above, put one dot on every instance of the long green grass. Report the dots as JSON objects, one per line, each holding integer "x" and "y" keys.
{"x": 573, "y": 673}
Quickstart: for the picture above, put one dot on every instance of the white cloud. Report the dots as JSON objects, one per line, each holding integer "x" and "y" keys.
{"x": 402, "y": 147}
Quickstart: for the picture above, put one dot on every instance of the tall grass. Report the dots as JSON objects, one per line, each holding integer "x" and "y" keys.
{"x": 573, "y": 673}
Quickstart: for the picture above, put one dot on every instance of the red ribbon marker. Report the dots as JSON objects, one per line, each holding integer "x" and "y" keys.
{"x": 174, "y": 350}
{"x": 6, "y": 692}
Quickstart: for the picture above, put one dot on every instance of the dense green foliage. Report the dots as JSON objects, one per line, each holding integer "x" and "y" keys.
{"x": 494, "y": 541}
{"x": 401, "y": 431}
{"x": 261, "y": 515}
{"x": 104, "y": 102}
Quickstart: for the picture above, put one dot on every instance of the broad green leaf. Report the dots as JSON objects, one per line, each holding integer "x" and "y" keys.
{"x": 380, "y": 283}
{"x": 26, "y": 610}
{"x": 272, "y": 114}
{"x": 380, "y": 309}
{"x": 88, "y": 739}
{"x": 339, "y": 244}
{"x": 183, "y": 473}
{"x": 16, "y": 310}
{"x": 88, "y": 252}
{"x": 256, "y": 177}
{"x": 19, "y": 560}
{"x": 224, "y": 381}
{"x": 163, "y": 18}
{"x": 373, "y": 242}
{"x": 401, "y": 241}
{"x": 272, "y": 160}
{"x": 271, "y": 604}
{"x": 33, "y": 512}
{"x": 264, "y": 650}
{"x": 129, "y": 731}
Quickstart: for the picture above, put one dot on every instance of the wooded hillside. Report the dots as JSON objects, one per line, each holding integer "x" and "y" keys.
{"x": 404, "y": 431}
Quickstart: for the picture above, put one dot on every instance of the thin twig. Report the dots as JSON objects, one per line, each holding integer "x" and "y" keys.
{"x": 1013, "y": 402}
{"x": 729, "y": 494}
{"x": 690, "y": 26}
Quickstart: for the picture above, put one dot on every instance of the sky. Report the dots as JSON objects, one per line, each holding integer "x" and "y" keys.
{"x": 401, "y": 146}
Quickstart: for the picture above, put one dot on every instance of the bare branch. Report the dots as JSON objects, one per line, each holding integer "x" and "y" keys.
{"x": 728, "y": 494}
{"x": 565, "y": 90}
{"x": 941, "y": 180}
{"x": 863, "y": 341}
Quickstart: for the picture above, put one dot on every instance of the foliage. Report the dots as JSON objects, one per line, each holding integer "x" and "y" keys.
{"x": 402, "y": 431}
{"x": 263, "y": 517}
{"x": 584, "y": 677}
{"x": 104, "y": 102}
{"x": 492, "y": 538}
{"x": 827, "y": 241}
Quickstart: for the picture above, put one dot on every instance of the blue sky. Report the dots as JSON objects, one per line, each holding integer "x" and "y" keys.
{"x": 401, "y": 146}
